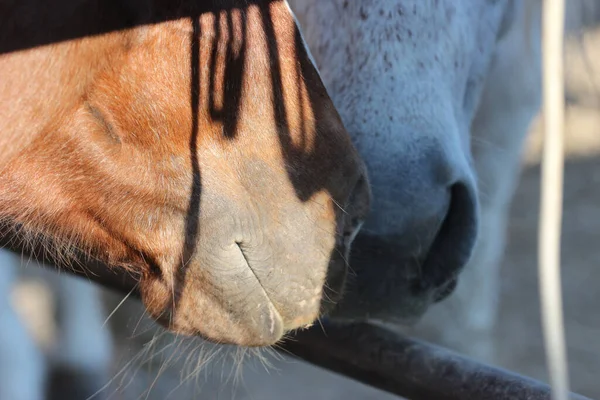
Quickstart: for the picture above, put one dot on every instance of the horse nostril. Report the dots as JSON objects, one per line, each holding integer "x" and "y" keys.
{"x": 357, "y": 209}
{"x": 454, "y": 242}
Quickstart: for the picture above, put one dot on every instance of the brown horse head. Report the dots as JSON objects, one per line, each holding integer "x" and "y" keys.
{"x": 194, "y": 147}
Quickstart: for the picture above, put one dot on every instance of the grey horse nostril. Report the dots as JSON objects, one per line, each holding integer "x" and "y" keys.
{"x": 453, "y": 244}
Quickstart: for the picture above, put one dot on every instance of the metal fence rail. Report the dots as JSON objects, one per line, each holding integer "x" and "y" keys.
{"x": 409, "y": 368}
{"x": 378, "y": 357}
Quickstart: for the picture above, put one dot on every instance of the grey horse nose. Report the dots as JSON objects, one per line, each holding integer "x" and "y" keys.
{"x": 419, "y": 235}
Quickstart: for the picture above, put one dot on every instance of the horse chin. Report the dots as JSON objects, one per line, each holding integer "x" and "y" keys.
{"x": 229, "y": 297}
{"x": 197, "y": 309}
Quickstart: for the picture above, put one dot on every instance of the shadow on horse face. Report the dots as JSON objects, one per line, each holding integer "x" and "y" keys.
{"x": 200, "y": 154}
{"x": 406, "y": 77}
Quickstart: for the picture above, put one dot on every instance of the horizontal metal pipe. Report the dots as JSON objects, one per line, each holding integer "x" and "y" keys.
{"x": 409, "y": 368}
{"x": 375, "y": 356}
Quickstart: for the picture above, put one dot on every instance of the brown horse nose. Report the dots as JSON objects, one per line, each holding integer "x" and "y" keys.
{"x": 357, "y": 208}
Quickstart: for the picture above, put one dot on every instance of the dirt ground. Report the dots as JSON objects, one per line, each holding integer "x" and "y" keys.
{"x": 518, "y": 336}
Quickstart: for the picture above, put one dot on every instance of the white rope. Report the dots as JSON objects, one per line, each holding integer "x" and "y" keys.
{"x": 551, "y": 197}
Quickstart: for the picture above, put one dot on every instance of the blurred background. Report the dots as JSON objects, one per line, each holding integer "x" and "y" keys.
{"x": 152, "y": 364}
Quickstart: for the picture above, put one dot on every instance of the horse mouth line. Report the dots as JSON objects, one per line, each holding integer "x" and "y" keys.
{"x": 275, "y": 315}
